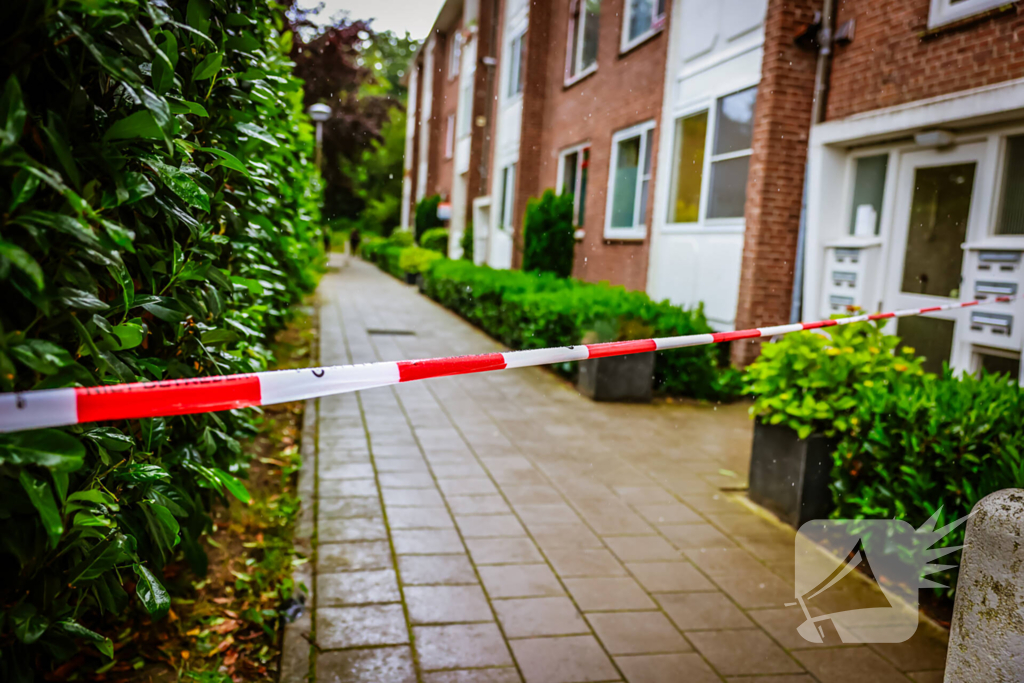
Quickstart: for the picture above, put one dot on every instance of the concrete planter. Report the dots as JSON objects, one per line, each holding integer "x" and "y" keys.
{"x": 790, "y": 475}
{"x": 617, "y": 378}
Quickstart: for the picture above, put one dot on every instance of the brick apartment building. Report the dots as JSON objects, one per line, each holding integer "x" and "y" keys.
{"x": 686, "y": 129}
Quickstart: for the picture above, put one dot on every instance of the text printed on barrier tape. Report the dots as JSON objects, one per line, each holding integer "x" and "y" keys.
{"x": 61, "y": 407}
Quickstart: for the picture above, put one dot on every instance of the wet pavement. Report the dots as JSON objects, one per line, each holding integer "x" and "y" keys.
{"x": 500, "y": 527}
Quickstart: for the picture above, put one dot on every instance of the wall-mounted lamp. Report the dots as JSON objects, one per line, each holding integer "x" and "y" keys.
{"x": 935, "y": 138}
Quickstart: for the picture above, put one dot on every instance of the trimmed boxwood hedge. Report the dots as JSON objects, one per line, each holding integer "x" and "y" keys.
{"x": 537, "y": 310}
{"x": 159, "y": 216}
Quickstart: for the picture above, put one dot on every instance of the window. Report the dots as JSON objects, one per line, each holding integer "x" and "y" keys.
{"x": 643, "y": 19}
{"x": 517, "y": 51}
{"x": 1011, "y": 213}
{"x": 508, "y": 188}
{"x": 454, "y": 55}
{"x": 449, "y": 138}
{"x": 691, "y": 137}
{"x": 947, "y": 11}
{"x": 581, "y": 48}
{"x": 868, "y": 193}
{"x": 629, "y": 182}
{"x": 730, "y": 157}
{"x": 572, "y": 174}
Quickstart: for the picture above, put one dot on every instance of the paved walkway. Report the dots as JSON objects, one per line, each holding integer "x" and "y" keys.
{"x": 499, "y": 527}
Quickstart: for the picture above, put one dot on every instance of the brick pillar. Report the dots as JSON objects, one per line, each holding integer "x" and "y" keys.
{"x": 436, "y": 142}
{"x": 775, "y": 184}
{"x": 483, "y": 98}
{"x": 528, "y": 182}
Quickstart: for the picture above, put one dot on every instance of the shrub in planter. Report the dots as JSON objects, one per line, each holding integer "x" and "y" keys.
{"x": 548, "y": 240}
{"x": 417, "y": 260}
{"x": 536, "y": 310}
{"x": 160, "y": 214}
{"x": 912, "y": 447}
{"x": 426, "y": 215}
{"x": 617, "y": 378}
{"x": 435, "y": 239}
{"x": 805, "y": 389}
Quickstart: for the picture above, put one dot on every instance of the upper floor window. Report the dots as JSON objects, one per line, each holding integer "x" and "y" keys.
{"x": 516, "y": 65}
{"x": 1011, "y": 213}
{"x": 449, "y": 137}
{"x": 947, "y": 11}
{"x": 572, "y": 178}
{"x": 643, "y": 19}
{"x": 454, "y": 54}
{"x": 584, "y": 26}
{"x": 465, "y": 113}
{"x": 629, "y": 182}
{"x": 508, "y": 189}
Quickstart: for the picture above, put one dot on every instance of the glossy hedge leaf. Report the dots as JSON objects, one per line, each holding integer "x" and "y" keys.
{"x": 140, "y": 125}
{"x": 209, "y": 67}
{"x": 227, "y": 159}
{"x": 38, "y": 491}
{"x": 29, "y": 625}
{"x": 76, "y": 630}
{"x": 42, "y": 356}
{"x": 236, "y": 487}
{"x": 257, "y": 132}
{"x": 21, "y": 260}
{"x": 151, "y": 593}
{"x": 48, "y": 448}
{"x": 12, "y": 113}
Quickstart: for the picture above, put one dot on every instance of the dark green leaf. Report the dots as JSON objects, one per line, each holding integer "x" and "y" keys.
{"x": 151, "y": 593}
{"x": 38, "y": 491}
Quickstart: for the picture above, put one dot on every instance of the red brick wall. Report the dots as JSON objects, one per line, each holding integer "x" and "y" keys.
{"x": 488, "y": 37}
{"x": 893, "y": 59}
{"x": 625, "y": 90}
{"x": 446, "y": 99}
{"x": 775, "y": 184}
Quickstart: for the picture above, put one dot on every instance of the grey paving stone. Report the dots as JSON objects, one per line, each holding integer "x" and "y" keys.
{"x": 420, "y": 518}
{"x": 419, "y": 570}
{"x": 530, "y": 617}
{"x": 673, "y": 668}
{"x": 412, "y": 497}
{"x": 669, "y": 577}
{"x": 357, "y": 588}
{"x": 506, "y": 675}
{"x": 447, "y": 604}
{"x": 641, "y": 548}
{"x": 391, "y": 664}
{"x": 848, "y": 665}
{"x": 519, "y": 581}
{"x": 746, "y": 652}
{"x": 691, "y": 611}
{"x": 345, "y": 627}
{"x": 609, "y": 594}
{"x": 352, "y": 529}
{"x": 461, "y": 646}
{"x": 585, "y": 562}
{"x": 343, "y": 557}
{"x": 503, "y": 551}
{"x": 556, "y": 660}
{"x": 478, "y": 505}
{"x": 343, "y": 508}
{"x": 488, "y": 526}
{"x": 426, "y": 541}
{"x": 635, "y": 633}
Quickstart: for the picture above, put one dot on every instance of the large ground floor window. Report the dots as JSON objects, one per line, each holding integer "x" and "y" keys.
{"x": 573, "y": 169}
{"x": 629, "y": 182}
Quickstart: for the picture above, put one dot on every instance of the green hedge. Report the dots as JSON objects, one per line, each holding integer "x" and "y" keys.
{"x": 910, "y": 442}
{"x": 435, "y": 239}
{"x": 159, "y": 217}
{"x": 397, "y": 255}
{"x": 536, "y": 310}
{"x": 548, "y": 234}
{"x": 426, "y": 216}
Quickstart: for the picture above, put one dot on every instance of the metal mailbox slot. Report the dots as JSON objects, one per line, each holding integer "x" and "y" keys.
{"x": 844, "y": 254}
{"x": 842, "y": 278}
{"x": 1002, "y": 261}
{"x": 984, "y": 289}
{"x": 998, "y": 323}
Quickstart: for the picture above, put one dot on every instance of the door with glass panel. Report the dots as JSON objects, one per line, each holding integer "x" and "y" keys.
{"x": 937, "y": 193}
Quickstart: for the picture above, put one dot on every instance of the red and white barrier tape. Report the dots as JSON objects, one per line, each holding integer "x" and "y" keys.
{"x": 59, "y": 407}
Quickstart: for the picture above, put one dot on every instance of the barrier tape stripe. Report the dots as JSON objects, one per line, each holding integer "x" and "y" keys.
{"x": 61, "y": 407}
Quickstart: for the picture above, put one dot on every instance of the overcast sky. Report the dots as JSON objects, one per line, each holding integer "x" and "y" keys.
{"x": 414, "y": 16}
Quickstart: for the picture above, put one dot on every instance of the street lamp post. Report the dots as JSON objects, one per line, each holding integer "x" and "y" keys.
{"x": 319, "y": 113}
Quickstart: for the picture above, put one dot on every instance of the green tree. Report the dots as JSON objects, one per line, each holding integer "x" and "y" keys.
{"x": 376, "y": 176}
{"x": 548, "y": 239}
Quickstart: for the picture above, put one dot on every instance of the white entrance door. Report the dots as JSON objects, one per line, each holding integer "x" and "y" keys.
{"x": 935, "y": 210}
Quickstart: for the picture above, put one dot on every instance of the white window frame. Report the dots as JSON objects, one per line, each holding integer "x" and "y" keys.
{"x": 657, "y": 24}
{"x": 639, "y": 229}
{"x": 506, "y": 205}
{"x": 515, "y": 66}
{"x": 944, "y": 12}
{"x": 449, "y": 137}
{"x": 704, "y": 223}
{"x": 454, "y": 55}
{"x": 577, "y": 28}
{"x": 560, "y": 183}
{"x": 465, "y": 108}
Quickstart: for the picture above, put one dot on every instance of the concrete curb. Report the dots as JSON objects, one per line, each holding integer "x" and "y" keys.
{"x": 986, "y": 639}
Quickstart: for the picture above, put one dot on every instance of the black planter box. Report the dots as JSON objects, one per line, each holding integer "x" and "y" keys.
{"x": 617, "y": 378}
{"x": 410, "y": 278}
{"x": 789, "y": 475}
{"x": 421, "y": 283}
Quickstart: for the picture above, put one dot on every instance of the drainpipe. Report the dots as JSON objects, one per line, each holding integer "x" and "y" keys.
{"x": 821, "y": 83}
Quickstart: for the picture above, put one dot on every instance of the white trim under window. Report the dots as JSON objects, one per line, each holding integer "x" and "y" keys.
{"x": 629, "y": 180}
{"x": 514, "y": 85}
{"x": 582, "y": 43}
{"x": 578, "y": 158}
{"x": 641, "y": 20}
{"x": 449, "y": 137}
{"x": 944, "y": 12}
{"x": 454, "y": 55}
{"x": 508, "y": 194}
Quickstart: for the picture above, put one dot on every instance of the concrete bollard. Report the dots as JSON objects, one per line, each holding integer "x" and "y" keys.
{"x": 986, "y": 638}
